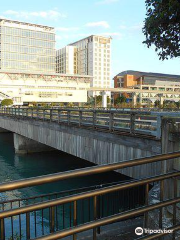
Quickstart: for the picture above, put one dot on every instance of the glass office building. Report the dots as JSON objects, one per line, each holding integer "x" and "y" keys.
{"x": 26, "y": 47}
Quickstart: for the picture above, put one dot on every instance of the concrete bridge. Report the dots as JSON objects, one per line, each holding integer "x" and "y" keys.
{"x": 99, "y": 136}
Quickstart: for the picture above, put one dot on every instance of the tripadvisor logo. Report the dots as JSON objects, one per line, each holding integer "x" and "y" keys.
{"x": 139, "y": 231}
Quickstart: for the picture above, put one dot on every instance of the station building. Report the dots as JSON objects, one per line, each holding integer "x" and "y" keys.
{"x": 149, "y": 81}
{"x": 25, "y": 88}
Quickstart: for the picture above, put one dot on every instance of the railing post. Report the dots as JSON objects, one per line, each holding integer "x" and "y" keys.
{"x": 80, "y": 118}
{"x": 94, "y": 118}
{"x": 174, "y": 205}
{"x": 52, "y": 219}
{"x": 37, "y": 113}
{"x": 59, "y": 116}
{"x": 159, "y": 126}
{"x": 95, "y": 216}
{"x": 161, "y": 199}
{"x": 26, "y": 112}
{"x": 2, "y": 229}
{"x": 111, "y": 123}
{"x": 146, "y": 203}
{"x": 50, "y": 114}
{"x": 68, "y": 117}
{"x": 75, "y": 218}
{"x": 43, "y": 114}
{"x": 132, "y": 122}
{"x": 32, "y": 113}
{"x": 27, "y": 226}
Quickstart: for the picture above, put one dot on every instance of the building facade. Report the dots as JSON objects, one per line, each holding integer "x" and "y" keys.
{"x": 66, "y": 60}
{"x": 92, "y": 57}
{"x": 149, "y": 81}
{"x": 25, "y": 88}
{"x": 26, "y": 47}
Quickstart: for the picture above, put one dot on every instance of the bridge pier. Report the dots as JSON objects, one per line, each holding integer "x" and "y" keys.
{"x": 25, "y": 145}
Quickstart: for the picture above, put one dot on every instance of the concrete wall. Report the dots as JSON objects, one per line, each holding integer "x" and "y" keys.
{"x": 25, "y": 145}
{"x": 97, "y": 147}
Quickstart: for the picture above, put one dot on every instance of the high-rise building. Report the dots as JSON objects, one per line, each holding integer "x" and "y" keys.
{"x": 26, "y": 47}
{"x": 92, "y": 56}
{"x": 66, "y": 60}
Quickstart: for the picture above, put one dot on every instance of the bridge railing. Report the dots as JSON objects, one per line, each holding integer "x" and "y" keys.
{"x": 51, "y": 206}
{"x": 114, "y": 121}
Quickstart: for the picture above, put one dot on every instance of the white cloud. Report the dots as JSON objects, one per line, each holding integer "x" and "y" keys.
{"x": 107, "y": 2}
{"x": 103, "y": 24}
{"x": 64, "y": 29}
{"x": 50, "y": 14}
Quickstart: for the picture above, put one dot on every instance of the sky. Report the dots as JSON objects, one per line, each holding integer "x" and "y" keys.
{"x": 77, "y": 19}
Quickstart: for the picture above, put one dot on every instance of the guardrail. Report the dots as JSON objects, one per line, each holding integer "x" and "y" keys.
{"x": 114, "y": 121}
{"x": 98, "y": 220}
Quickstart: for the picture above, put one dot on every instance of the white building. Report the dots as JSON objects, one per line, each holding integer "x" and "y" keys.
{"x": 66, "y": 61}
{"x": 24, "y": 88}
{"x": 91, "y": 56}
{"x": 26, "y": 47}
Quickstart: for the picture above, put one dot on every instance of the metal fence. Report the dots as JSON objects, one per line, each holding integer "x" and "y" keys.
{"x": 63, "y": 216}
{"x": 114, "y": 121}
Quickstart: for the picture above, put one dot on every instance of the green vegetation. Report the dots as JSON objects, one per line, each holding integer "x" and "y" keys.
{"x": 7, "y": 102}
{"x": 162, "y": 27}
{"x": 119, "y": 100}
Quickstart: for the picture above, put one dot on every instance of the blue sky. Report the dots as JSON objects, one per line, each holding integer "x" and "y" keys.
{"x": 76, "y": 19}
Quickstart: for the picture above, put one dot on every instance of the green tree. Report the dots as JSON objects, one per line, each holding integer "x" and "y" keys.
{"x": 7, "y": 102}
{"x": 162, "y": 27}
{"x": 121, "y": 99}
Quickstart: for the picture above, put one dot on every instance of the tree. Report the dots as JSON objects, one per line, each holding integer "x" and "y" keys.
{"x": 7, "y": 102}
{"x": 162, "y": 27}
{"x": 121, "y": 99}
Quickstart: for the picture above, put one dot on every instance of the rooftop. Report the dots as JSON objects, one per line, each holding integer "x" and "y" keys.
{"x": 25, "y": 23}
{"x": 150, "y": 74}
{"x": 45, "y": 74}
{"x": 89, "y": 37}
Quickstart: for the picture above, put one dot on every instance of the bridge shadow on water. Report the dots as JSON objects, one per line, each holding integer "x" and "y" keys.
{"x": 15, "y": 167}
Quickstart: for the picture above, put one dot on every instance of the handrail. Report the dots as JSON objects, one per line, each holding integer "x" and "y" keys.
{"x": 84, "y": 172}
{"x": 84, "y": 195}
{"x": 108, "y": 220}
{"x": 96, "y": 196}
{"x": 98, "y": 118}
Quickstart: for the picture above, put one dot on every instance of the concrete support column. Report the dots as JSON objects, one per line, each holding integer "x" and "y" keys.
{"x": 104, "y": 99}
{"x": 25, "y": 145}
{"x": 161, "y": 99}
{"x": 140, "y": 98}
{"x": 134, "y": 99}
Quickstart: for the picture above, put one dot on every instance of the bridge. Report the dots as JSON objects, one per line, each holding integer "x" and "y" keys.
{"x": 141, "y": 144}
{"x": 98, "y": 136}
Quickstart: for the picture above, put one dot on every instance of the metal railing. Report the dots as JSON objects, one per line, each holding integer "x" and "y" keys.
{"x": 114, "y": 121}
{"x": 94, "y": 197}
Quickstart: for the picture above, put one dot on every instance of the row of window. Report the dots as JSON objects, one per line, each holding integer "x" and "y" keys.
{"x": 26, "y": 41}
{"x": 26, "y": 66}
{"x": 27, "y": 50}
{"x": 27, "y": 33}
{"x": 26, "y": 58}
